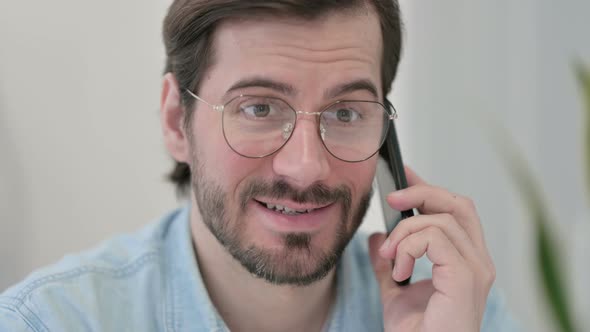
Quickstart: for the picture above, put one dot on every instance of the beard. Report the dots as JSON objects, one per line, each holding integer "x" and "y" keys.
{"x": 298, "y": 261}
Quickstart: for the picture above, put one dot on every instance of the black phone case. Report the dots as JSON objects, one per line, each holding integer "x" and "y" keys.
{"x": 391, "y": 153}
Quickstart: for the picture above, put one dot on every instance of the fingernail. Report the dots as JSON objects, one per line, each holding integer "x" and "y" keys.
{"x": 385, "y": 244}
{"x": 394, "y": 273}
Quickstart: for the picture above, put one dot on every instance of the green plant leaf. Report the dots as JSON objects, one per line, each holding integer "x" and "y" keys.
{"x": 548, "y": 263}
{"x": 583, "y": 75}
{"x": 547, "y": 251}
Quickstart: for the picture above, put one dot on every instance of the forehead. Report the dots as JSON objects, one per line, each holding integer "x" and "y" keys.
{"x": 320, "y": 52}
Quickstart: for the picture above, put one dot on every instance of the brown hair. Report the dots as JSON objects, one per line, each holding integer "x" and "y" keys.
{"x": 188, "y": 38}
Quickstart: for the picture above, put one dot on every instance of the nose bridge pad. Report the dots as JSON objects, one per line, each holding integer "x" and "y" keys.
{"x": 322, "y": 131}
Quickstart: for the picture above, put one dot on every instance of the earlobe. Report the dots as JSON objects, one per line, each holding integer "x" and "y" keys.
{"x": 172, "y": 118}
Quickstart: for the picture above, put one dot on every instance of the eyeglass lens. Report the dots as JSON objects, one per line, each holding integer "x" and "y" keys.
{"x": 258, "y": 126}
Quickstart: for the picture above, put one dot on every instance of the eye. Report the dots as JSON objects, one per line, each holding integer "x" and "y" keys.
{"x": 257, "y": 110}
{"x": 346, "y": 115}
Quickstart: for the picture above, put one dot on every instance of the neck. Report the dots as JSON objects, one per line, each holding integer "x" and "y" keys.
{"x": 248, "y": 303}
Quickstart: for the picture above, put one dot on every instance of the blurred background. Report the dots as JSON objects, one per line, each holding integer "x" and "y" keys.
{"x": 81, "y": 155}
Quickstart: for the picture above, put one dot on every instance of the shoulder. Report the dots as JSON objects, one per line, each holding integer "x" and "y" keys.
{"x": 99, "y": 283}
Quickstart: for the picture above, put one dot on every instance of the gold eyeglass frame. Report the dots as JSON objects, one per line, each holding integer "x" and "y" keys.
{"x": 391, "y": 115}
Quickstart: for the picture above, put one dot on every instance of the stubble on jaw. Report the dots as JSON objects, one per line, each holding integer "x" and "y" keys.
{"x": 298, "y": 262}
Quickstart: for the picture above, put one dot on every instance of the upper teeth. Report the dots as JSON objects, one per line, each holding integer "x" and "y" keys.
{"x": 285, "y": 209}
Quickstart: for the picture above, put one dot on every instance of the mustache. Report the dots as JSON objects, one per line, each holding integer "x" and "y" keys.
{"x": 316, "y": 194}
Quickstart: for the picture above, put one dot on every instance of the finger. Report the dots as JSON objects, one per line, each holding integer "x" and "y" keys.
{"x": 381, "y": 266}
{"x": 446, "y": 222}
{"x": 430, "y": 241}
{"x": 430, "y": 199}
{"x": 434, "y": 200}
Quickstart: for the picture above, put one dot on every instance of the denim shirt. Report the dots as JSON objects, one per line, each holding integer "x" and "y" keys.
{"x": 150, "y": 281}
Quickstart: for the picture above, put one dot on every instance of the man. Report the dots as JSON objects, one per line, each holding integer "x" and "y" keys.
{"x": 274, "y": 111}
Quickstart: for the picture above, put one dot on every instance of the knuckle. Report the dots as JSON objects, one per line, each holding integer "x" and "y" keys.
{"x": 433, "y": 232}
{"x": 468, "y": 202}
{"x": 491, "y": 268}
{"x": 488, "y": 272}
{"x": 400, "y": 232}
{"x": 404, "y": 246}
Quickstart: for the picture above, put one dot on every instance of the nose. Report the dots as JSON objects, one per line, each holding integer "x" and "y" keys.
{"x": 303, "y": 160}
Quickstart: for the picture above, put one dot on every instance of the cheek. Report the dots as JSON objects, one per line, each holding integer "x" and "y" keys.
{"x": 359, "y": 176}
{"x": 220, "y": 163}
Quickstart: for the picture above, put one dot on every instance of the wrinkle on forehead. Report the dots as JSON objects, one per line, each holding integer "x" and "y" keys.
{"x": 319, "y": 56}
{"x": 312, "y": 55}
{"x": 353, "y": 35}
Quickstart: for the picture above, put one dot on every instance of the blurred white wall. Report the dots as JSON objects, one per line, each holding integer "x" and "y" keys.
{"x": 81, "y": 155}
{"x": 80, "y": 146}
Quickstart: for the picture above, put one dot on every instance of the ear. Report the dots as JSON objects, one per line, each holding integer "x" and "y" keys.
{"x": 172, "y": 120}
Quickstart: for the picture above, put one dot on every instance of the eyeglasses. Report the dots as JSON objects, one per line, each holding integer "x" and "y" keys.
{"x": 258, "y": 126}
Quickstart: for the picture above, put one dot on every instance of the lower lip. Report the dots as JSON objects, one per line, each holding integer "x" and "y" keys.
{"x": 283, "y": 223}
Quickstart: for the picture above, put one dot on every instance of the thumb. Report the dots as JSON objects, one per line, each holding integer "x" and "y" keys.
{"x": 381, "y": 266}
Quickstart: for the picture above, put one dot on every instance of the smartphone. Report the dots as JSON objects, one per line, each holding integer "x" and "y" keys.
{"x": 391, "y": 177}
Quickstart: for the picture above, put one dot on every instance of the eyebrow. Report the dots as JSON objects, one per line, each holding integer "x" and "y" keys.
{"x": 356, "y": 85}
{"x": 261, "y": 82}
{"x": 287, "y": 89}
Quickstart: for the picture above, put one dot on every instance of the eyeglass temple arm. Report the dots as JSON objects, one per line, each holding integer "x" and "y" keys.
{"x": 215, "y": 107}
{"x": 393, "y": 115}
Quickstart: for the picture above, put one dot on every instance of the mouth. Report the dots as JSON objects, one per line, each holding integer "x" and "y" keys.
{"x": 286, "y": 216}
{"x": 290, "y": 209}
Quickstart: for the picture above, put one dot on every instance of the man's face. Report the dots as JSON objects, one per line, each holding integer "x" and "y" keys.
{"x": 235, "y": 195}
